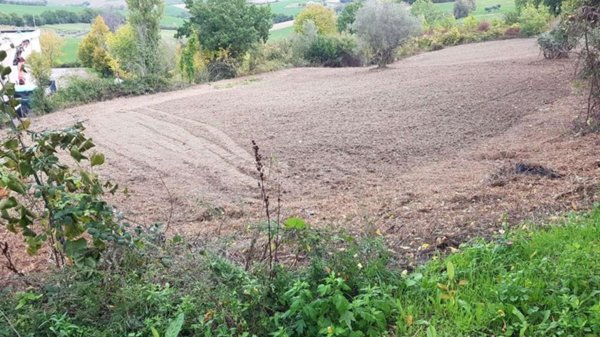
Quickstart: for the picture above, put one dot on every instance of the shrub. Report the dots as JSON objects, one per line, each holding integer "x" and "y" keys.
{"x": 93, "y": 50}
{"x": 323, "y": 18}
{"x": 333, "y": 51}
{"x": 484, "y": 26}
{"x": 512, "y": 31}
{"x": 428, "y": 11}
{"x": 383, "y": 26}
{"x": 533, "y": 20}
{"x": 556, "y": 43}
{"x": 512, "y": 17}
{"x": 347, "y": 17}
{"x": 462, "y": 8}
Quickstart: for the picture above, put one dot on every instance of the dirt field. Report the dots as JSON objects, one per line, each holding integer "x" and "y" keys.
{"x": 423, "y": 152}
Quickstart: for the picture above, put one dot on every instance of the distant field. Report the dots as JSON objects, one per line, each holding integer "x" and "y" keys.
{"x": 70, "y": 50}
{"x": 287, "y": 7}
{"x": 23, "y": 9}
{"x": 480, "y": 13}
{"x": 276, "y": 35}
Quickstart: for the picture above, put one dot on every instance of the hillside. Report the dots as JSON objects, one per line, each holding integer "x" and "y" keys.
{"x": 424, "y": 151}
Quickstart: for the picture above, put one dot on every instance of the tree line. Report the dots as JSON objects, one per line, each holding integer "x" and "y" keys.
{"x": 49, "y": 17}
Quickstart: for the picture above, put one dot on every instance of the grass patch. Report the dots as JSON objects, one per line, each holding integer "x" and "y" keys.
{"x": 479, "y": 12}
{"x": 287, "y": 7}
{"x": 529, "y": 282}
{"x": 70, "y": 50}
{"x": 280, "y": 34}
{"x": 24, "y": 9}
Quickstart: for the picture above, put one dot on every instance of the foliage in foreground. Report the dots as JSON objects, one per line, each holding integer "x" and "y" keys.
{"x": 530, "y": 282}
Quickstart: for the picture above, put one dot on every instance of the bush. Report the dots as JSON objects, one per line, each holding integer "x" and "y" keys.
{"x": 323, "y": 18}
{"x": 512, "y": 31}
{"x": 383, "y": 26}
{"x": 533, "y": 20}
{"x": 347, "y": 16}
{"x": 333, "y": 51}
{"x": 512, "y": 17}
{"x": 556, "y": 43}
{"x": 462, "y": 8}
{"x": 484, "y": 26}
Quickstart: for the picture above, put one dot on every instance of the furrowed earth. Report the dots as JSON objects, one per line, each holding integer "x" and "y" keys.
{"x": 422, "y": 153}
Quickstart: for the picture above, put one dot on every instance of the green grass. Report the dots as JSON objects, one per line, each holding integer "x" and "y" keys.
{"x": 23, "y": 9}
{"x": 70, "y": 50}
{"x": 287, "y": 7}
{"x": 533, "y": 281}
{"x": 479, "y": 12}
{"x": 276, "y": 35}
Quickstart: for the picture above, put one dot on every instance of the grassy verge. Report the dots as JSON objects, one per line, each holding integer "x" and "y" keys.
{"x": 280, "y": 34}
{"x": 529, "y": 282}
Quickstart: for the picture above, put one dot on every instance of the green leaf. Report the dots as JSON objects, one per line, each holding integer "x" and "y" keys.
{"x": 15, "y": 185}
{"x": 154, "y": 332}
{"x": 11, "y": 144}
{"x": 76, "y": 248}
{"x": 294, "y": 223}
{"x": 77, "y": 155}
{"x": 2, "y": 55}
{"x": 431, "y": 332}
{"x": 6, "y": 71}
{"x": 24, "y": 125}
{"x": 450, "y": 270}
{"x": 8, "y": 203}
{"x": 97, "y": 159}
{"x": 175, "y": 326}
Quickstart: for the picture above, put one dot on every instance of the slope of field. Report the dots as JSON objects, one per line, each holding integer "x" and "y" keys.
{"x": 422, "y": 153}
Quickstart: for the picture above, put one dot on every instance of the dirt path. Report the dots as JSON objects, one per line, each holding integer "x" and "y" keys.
{"x": 408, "y": 151}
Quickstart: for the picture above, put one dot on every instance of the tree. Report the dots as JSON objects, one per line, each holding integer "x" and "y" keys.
{"x": 51, "y": 45}
{"x": 234, "y": 26}
{"x": 112, "y": 18}
{"x": 191, "y": 59}
{"x": 383, "y": 26}
{"x": 123, "y": 49}
{"x": 144, "y": 17}
{"x": 534, "y": 20}
{"x": 462, "y": 8}
{"x": 347, "y": 16}
{"x": 93, "y": 51}
{"x": 323, "y": 18}
{"x": 428, "y": 11}
{"x": 40, "y": 68}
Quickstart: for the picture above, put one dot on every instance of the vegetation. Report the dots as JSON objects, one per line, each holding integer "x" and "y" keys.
{"x": 24, "y": 17}
{"x": 347, "y": 16}
{"x": 462, "y": 8}
{"x": 144, "y": 18}
{"x": 228, "y": 27}
{"x": 383, "y": 26}
{"x": 93, "y": 50}
{"x": 533, "y": 20}
{"x": 51, "y": 45}
{"x": 323, "y": 18}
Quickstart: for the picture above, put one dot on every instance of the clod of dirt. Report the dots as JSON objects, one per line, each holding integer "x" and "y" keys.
{"x": 533, "y": 169}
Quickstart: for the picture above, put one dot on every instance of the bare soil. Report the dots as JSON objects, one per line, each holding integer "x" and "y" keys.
{"x": 421, "y": 153}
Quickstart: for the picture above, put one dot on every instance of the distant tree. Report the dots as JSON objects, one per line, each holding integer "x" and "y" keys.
{"x": 462, "y": 8}
{"x": 112, "y": 18}
{"x": 123, "y": 49}
{"x": 230, "y": 26}
{"x": 93, "y": 51}
{"x": 40, "y": 68}
{"x": 427, "y": 11}
{"x": 323, "y": 18}
{"x": 383, "y": 26}
{"x": 190, "y": 60}
{"x": 144, "y": 17}
{"x": 347, "y": 16}
{"x": 51, "y": 45}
